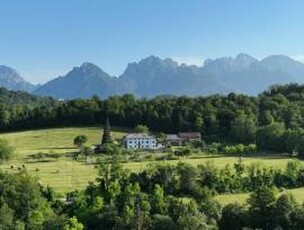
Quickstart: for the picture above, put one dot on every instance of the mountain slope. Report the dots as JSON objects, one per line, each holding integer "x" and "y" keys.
{"x": 245, "y": 74}
{"x": 285, "y": 64}
{"x": 82, "y": 82}
{"x": 153, "y": 76}
{"x": 10, "y": 79}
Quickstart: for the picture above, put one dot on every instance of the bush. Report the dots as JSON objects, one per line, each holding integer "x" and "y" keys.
{"x": 213, "y": 148}
{"x": 182, "y": 152}
{"x": 80, "y": 140}
{"x": 239, "y": 149}
{"x": 6, "y": 151}
{"x": 87, "y": 151}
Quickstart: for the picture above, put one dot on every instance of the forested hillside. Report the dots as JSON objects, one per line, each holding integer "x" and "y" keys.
{"x": 274, "y": 120}
{"x": 9, "y": 97}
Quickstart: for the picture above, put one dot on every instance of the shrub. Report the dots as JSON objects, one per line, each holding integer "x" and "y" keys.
{"x": 6, "y": 151}
{"x": 141, "y": 129}
{"x": 80, "y": 140}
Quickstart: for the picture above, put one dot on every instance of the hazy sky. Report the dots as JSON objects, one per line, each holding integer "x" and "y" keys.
{"x": 42, "y": 39}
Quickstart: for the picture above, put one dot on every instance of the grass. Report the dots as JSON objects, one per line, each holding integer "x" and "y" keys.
{"x": 66, "y": 174}
{"x": 241, "y": 198}
{"x": 63, "y": 174}
{"x": 56, "y": 140}
{"x": 219, "y": 161}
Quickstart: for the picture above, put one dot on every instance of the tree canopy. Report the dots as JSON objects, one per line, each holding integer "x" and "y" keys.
{"x": 80, "y": 140}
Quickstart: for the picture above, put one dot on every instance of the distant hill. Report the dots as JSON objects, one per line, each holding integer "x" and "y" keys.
{"x": 153, "y": 76}
{"x": 82, "y": 82}
{"x": 10, "y": 97}
{"x": 11, "y": 79}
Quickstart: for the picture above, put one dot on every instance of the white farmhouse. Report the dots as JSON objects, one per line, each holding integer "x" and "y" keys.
{"x": 140, "y": 141}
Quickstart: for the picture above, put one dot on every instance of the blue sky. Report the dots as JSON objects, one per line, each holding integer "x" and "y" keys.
{"x": 43, "y": 39}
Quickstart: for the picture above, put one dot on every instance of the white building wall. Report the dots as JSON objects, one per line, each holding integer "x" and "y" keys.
{"x": 140, "y": 143}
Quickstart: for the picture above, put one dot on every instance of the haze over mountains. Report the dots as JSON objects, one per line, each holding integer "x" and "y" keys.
{"x": 154, "y": 76}
{"x": 11, "y": 79}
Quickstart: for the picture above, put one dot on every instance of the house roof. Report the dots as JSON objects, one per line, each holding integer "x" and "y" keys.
{"x": 173, "y": 137}
{"x": 190, "y": 135}
{"x": 139, "y": 135}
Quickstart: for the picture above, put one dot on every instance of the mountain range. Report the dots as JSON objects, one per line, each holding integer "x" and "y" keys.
{"x": 153, "y": 76}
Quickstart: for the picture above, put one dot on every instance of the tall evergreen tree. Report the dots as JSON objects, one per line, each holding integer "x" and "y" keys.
{"x": 106, "y": 137}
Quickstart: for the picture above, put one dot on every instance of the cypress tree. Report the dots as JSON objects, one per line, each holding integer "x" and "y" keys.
{"x": 106, "y": 137}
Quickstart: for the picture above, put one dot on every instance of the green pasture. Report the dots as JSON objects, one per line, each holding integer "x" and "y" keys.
{"x": 56, "y": 140}
{"x": 219, "y": 161}
{"x": 65, "y": 174}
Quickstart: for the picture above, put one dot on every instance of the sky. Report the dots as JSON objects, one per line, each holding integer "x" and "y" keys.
{"x": 45, "y": 39}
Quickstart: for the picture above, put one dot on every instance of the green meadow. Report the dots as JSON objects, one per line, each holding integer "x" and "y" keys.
{"x": 62, "y": 173}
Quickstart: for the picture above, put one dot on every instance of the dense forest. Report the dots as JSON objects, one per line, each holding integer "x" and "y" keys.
{"x": 274, "y": 120}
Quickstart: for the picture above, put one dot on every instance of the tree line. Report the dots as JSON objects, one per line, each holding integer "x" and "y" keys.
{"x": 274, "y": 120}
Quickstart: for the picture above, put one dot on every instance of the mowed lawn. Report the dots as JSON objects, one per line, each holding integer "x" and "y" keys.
{"x": 66, "y": 174}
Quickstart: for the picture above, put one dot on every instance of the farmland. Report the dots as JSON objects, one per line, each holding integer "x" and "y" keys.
{"x": 64, "y": 173}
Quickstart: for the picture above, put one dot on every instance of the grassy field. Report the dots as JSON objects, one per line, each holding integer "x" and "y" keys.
{"x": 65, "y": 174}
{"x": 219, "y": 161}
{"x": 56, "y": 140}
{"x": 241, "y": 198}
